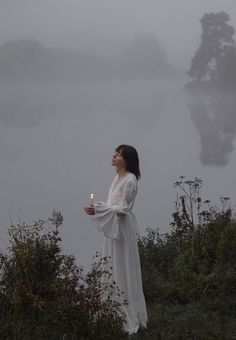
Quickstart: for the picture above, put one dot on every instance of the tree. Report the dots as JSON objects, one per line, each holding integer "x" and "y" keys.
{"x": 227, "y": 68}
{"x": 216, "y": 41}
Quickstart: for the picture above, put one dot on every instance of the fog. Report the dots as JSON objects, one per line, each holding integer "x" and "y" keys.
{"x": 80, "y": 78}
{"x": 102, "y": 26}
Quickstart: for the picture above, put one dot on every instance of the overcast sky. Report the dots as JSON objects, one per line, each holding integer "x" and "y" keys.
{"x": 101, "y": 25}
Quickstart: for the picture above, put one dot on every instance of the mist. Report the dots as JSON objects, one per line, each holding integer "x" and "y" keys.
{"x": 77, "y": 80}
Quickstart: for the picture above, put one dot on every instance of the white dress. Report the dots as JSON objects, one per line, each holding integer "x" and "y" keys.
{"x": 116, "y": 221}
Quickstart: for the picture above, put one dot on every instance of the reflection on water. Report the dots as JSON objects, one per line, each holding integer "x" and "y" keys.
{"x": 28, "y": 106}
{"x": 214, "y": 117}
{"x": 56, "y": 144}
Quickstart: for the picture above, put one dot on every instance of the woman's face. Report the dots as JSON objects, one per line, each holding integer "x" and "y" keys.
{"x": 118, "y": 160}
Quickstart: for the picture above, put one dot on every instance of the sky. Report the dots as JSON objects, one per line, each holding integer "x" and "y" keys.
{"x": 101, "y": 26}
{"x": 57, "y": 140}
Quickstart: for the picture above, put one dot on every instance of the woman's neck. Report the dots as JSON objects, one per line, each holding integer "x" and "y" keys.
{"x": 122, "y": 172}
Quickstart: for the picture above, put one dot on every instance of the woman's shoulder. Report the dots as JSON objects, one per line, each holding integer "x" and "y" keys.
{"x": 131, "y": 178}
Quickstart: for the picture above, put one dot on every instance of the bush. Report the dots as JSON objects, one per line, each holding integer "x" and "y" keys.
{"x": 45, "y": 295}
{"x": 189, "y": 275}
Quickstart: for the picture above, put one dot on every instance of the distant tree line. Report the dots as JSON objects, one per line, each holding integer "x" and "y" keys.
{"x": 214, "y": 63}
{"x": 27, "y": 60}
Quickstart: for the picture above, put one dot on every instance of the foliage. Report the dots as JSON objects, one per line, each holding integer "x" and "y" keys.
{"x": 215, "y": 58}
{"x": 189, "y": 280}
{"x": 45, "y": 295}
{"x": 189, "y": 275}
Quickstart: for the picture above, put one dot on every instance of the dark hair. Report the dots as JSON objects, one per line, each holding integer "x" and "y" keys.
{"x": 130, "y": 155}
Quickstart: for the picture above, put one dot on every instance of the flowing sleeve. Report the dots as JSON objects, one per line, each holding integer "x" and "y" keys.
{"x": 106, "y": 217}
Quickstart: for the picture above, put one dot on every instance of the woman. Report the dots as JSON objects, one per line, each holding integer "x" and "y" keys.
{"x": 116, "y": 221}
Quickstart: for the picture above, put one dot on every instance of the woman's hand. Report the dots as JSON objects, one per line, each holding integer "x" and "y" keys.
{"x": 90, "y": 210}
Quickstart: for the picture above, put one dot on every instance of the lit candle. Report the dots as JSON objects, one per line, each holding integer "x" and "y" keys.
{"x": 91, "y": 198}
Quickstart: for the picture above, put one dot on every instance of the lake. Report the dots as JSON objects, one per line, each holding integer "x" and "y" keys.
{"x": 57, "y": 142}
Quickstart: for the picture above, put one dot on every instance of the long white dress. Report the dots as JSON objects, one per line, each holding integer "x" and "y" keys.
{"x": 116, "y": 221}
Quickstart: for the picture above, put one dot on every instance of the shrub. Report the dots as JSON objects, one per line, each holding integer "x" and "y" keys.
{"x": 45, "y": 295}
{"x": 189, "y": 275}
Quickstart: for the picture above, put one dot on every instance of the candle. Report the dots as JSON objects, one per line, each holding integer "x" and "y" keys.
{"x": 91, "y": 198}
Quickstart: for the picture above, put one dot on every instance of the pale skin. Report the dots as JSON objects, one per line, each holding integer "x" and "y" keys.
{"x": 119, "y": 163}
